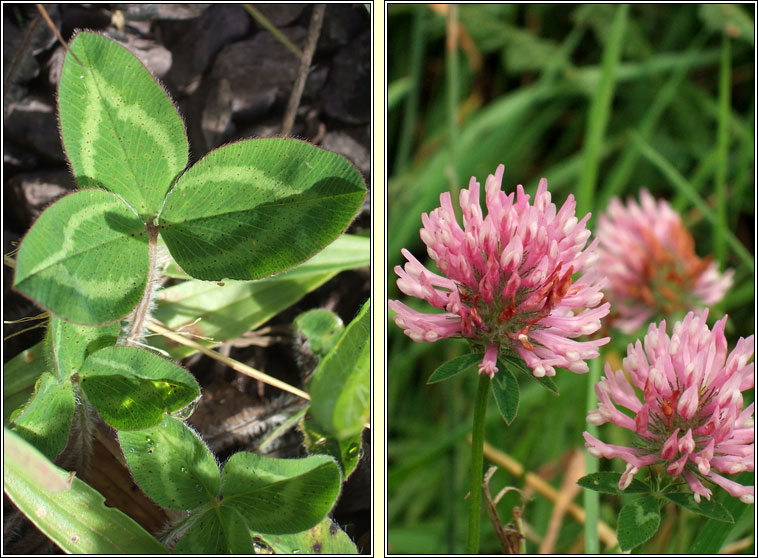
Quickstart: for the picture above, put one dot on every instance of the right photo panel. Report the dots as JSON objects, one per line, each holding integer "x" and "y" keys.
{"x": 570, "y": 278}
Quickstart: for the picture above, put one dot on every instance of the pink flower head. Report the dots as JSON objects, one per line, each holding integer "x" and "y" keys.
{"x": 651, "y": 265}
{"x": 508, "y": 284}
{"x": 685, "y": 398}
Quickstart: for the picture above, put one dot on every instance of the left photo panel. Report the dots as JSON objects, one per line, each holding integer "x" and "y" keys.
{"x": 187, "y": 278}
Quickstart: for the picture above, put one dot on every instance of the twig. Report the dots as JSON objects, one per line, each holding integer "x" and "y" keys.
{"x": 606, "y": 534}
{"x": 260, "y": 18}
{"x": 230, "y": 362}
{"x": 18, "y": 56}
{"x": 510, "y": 541}
{"x": 51, "y": 25}
{"x": 305, "y": 63}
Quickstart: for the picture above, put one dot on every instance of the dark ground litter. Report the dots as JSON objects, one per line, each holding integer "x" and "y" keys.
{"x": 231, "y": 79}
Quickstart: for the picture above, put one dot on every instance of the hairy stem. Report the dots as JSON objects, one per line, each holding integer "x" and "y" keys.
{"x": 141, "y": 312}
{"x": 477, "y": 463}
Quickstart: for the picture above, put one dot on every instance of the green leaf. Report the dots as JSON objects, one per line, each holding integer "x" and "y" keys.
{"x": 608, "y": 483}
{"x": 67, "y": 510}
{"x": 518, "y": 364}
{"x": 257, "y": 207}
{"x": 506, "y": 392}
{"x": 171, "y": 464}
{"x": 341, "y": 385}
{"x": 71, "y": 344}
{"x": 23, "y": 370}
{"x": 708, "y": 508}
{"x": 132, "y": 388}
{"x": 324, "y": 538}
{"x": 227, "y": 311}
{"x": 46, "y": 419}
{"x": 321, "y": 328}
{"x": 280, "y": 495}
{"x": 220, "y": 530}
{"x": 638, "y": 521}
{"x": 454, "y": 366}
{"x": 346, "y": 451}
{"x": 85, "y": 258}
{"x": 120, "y": 129}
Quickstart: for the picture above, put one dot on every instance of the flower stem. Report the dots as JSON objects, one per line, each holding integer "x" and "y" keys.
{"x": 477, "y": 463}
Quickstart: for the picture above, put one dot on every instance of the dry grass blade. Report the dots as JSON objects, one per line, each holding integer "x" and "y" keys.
{"x": 230, "y": 362}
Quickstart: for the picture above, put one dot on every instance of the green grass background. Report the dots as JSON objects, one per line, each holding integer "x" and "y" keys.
{"x": 602, "y": 100}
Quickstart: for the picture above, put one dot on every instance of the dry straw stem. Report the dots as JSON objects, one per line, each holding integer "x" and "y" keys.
{"x": 230, "y": 362}
{"x": 606, "y": 534}
{"x": 569, "y": 490}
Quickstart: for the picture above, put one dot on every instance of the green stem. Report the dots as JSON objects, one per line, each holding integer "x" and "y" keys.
{"x": 591, "y": 498}
{"x": 722, "y": 140}
{"x": 139, "y": 316}
{"x": 477, "y": 464}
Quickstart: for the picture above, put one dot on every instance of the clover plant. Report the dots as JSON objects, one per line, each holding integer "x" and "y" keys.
{"x": 248, "y": 210}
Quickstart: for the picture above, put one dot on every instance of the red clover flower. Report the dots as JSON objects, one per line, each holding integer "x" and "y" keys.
{"x": 651, "y": 265}
{"x": 691, "y": 416}
{"x": 508, "y": 283}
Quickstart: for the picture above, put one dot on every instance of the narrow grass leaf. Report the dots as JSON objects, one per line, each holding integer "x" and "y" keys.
{"x": 685, "y": 188}
{"x": 85, "y": 258}
{"x": 20, "y": 372}
{"x": 280, "y": 496}
{"x": 454, "y": 366}
{"x": 171, "y": 464}
{"x": 46, "y": 418}
{"x": 228, "y": 310}
{"x": 708, "y": 508}
{"x": 258, "y": 207}
{"x": 600, "y": 110}
{"x": 120, "y": 129}
{"x": 132, "y": 388}
{"x": 67, "y": 510}
{"x": 638, "y": 521}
